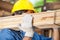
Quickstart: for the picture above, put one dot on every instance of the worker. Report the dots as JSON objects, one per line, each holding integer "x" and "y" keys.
{"x": 26, "y": 31}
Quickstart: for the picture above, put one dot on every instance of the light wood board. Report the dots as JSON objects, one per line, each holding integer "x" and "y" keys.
{"x": 43, "y": 18}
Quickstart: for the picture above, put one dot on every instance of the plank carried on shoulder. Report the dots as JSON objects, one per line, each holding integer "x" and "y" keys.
{"x": 43, "y": 18}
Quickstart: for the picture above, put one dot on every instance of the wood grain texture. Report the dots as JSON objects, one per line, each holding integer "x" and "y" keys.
{"x": 40, "y": 20}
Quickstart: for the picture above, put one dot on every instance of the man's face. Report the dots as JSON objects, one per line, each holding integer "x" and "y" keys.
{"x": 21, "y": 12}
{"x": 29, "y": 11}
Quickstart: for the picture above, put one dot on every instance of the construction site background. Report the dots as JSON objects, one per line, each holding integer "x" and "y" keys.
{"x": 6, "y": 6}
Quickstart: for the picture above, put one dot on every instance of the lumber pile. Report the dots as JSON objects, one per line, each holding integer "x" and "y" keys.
{"x": 42, "y": 20}
{"x": 4, "y": 13}
{"x": 5, "y": 6}
{"x": 53, "y": 6}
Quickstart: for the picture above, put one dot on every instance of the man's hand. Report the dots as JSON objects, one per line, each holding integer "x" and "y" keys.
{"x": 27, "y": 38}
{"x": 26, "y": 25}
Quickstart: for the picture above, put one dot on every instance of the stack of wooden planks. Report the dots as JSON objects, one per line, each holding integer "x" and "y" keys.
{"x": 41, "y": 20}
{"x": 6, "y": 6}
{"x": 4, "y": 13}
{"x": 53, "y": 6}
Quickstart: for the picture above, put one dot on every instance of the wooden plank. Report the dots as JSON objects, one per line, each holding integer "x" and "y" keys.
{"x": 44, "y": 18}
{"x": 58, "y": 18}
{"x": 4, "y": 13}
{"x": 48, "y": 26}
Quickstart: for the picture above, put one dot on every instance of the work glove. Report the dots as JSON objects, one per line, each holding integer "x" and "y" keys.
{"x": 26, "y": 25}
